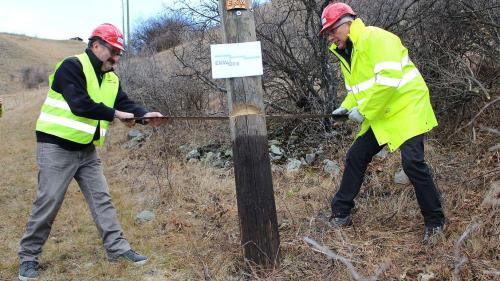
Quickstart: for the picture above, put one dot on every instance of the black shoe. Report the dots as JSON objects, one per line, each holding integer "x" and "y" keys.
{"x": 28, "y": 270}
{"x": 134, "y": 257}
{"x": 431, "y": 234}
{"x": 340, "y": 221}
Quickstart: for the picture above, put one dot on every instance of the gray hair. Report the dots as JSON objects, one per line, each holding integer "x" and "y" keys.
{"x": 343, "y": 20}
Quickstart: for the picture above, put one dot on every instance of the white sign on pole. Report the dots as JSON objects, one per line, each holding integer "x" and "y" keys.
{"x": 236, "y": 60}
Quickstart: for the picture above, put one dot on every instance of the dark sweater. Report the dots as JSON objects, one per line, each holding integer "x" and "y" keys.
{"x": 70, "y": 81}
{"x": 346, "y": 53}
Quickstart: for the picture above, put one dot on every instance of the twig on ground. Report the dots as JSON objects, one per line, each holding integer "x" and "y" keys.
{"x": 460, "y": 261}
{"x": 477, "y": 115}
{"x": 324, "y": 250}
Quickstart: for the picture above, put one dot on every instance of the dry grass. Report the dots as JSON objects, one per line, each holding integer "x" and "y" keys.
{"x": 197, "y": 215}
{"x": 19, "y": 52}
{"x": 195, "y": 233}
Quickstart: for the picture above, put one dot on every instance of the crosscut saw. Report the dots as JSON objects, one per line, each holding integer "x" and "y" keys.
{"x": 271, "y": 117}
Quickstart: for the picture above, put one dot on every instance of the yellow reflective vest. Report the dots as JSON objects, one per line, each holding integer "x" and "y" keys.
{"x": 57, "y": 119}
{"x": 386, "y": 86}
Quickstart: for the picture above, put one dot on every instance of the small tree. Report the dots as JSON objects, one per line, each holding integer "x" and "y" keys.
{"x": 159, "y": 33}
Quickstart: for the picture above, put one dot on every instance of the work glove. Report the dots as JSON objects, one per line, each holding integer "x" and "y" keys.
{"x": 355, "y": 115}
{"x": 340, "y": 111}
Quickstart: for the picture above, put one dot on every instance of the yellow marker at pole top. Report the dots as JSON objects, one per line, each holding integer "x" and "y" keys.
{"x": 236, "y": 4}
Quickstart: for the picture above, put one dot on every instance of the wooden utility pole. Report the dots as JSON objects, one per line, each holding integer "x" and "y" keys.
{"x": 128, "y": 25}
{"x": 123, "y": 17}
{"x": 252, "y": 168}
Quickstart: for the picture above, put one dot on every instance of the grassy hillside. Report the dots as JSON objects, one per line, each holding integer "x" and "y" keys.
{"x": 18, "y": 52}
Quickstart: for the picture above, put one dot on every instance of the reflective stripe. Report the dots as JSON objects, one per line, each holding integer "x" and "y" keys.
{"x": 67, "y": 123}
{"x": 361, "y": 101}
{"x": 409, "y": 76}
{"x": 387, "y": 65}
{"x": 348, "y": 88}
{"x": 391, "y": 65}
{"x": 363, "y": 86}
{"x": 382, "y": 80}
{"x": 57, "y": 103}
{"x": 103, "y": 132}
{"x": 387, "y": 81}
{"x": 405, "y": 61}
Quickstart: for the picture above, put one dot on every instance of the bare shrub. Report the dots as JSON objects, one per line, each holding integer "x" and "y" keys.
{"x": 32, "y": 77}
{"x": 155, "y": 82}
{"x": 159, "y": 33}
{"x": 453, "y": 43}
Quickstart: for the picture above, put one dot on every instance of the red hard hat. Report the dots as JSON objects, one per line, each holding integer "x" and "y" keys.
{"x": 110, "y": 34}
{"x": 333, "y": 12}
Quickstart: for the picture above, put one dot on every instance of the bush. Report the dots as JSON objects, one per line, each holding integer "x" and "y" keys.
{"x": 32, "y": 77}
{"x": 159, "y": 34}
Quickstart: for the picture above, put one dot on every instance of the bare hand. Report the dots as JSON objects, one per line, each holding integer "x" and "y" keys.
{"x": 155, "y": 122}
{"x": 126, "y": 117}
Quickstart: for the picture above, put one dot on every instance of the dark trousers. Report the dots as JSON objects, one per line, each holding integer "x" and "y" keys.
{"x": 412, "y": 152}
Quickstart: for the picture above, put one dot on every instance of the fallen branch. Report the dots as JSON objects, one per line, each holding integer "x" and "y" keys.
{"x": 324, "y": 250}
{"x": 460, "y": 261}
{"x": 490, "y": 130}
{"x": 475, "y": 117}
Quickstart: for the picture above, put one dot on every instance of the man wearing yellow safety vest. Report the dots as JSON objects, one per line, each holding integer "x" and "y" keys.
{"x": 389, "y": 98}
{"x": 84, "y": 96}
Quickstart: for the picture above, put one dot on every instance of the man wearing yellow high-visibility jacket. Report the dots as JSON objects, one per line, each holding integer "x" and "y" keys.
{"x": 84, "y": 96}
{"x": 389, "y": 97}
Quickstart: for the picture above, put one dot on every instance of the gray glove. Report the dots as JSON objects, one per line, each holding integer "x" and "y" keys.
{"x": 340, "y": 111}
{"x": 355, "y": 115}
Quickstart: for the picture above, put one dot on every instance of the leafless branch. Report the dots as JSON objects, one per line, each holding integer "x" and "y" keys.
{"x": 460, "y": 261}
{"x": 324, "y": 250}
{"x": 475, "y": 117}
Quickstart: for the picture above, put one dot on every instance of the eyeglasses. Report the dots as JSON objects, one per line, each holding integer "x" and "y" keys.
{"x": 334, "y": 30}
{"x": 113, "y": 51}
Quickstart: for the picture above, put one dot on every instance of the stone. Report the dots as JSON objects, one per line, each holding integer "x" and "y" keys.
{"x": 276, "y": 150}
{"x": 310, "y": 158}
{"x": 209, "y": 159}
{"x": 401, "y": 178}
{"x": 228, "y": 153}
{"x": 218, "y": 163}
{"x": 273, "y": 142}
{"x": 427, "y": 277}
{"x": 273, "y": 157}
{"x": 193, "y": 154}
{"x": 144, "y": 216}
{"x": 293, "y": 165}
{"x": 382, "y": 153}
{"x": 331, "y": 167}
{"x": 134, "y": 133}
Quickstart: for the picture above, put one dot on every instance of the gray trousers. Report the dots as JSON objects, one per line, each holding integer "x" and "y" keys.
{"x": 57, "y": 167}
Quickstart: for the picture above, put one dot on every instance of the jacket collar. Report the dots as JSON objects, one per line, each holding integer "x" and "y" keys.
{"x": 96, "y": 63}
{"x": 357, "y": 27}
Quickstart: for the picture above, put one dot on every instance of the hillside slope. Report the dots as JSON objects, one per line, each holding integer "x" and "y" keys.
{"x": 18, "y": 52}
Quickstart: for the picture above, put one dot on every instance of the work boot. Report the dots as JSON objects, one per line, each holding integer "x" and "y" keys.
{"x": 340, "y": 221}
{"x": 132, "y": 256}
{"x": 28, "y": 270}
{"x": 431, "y": 234}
